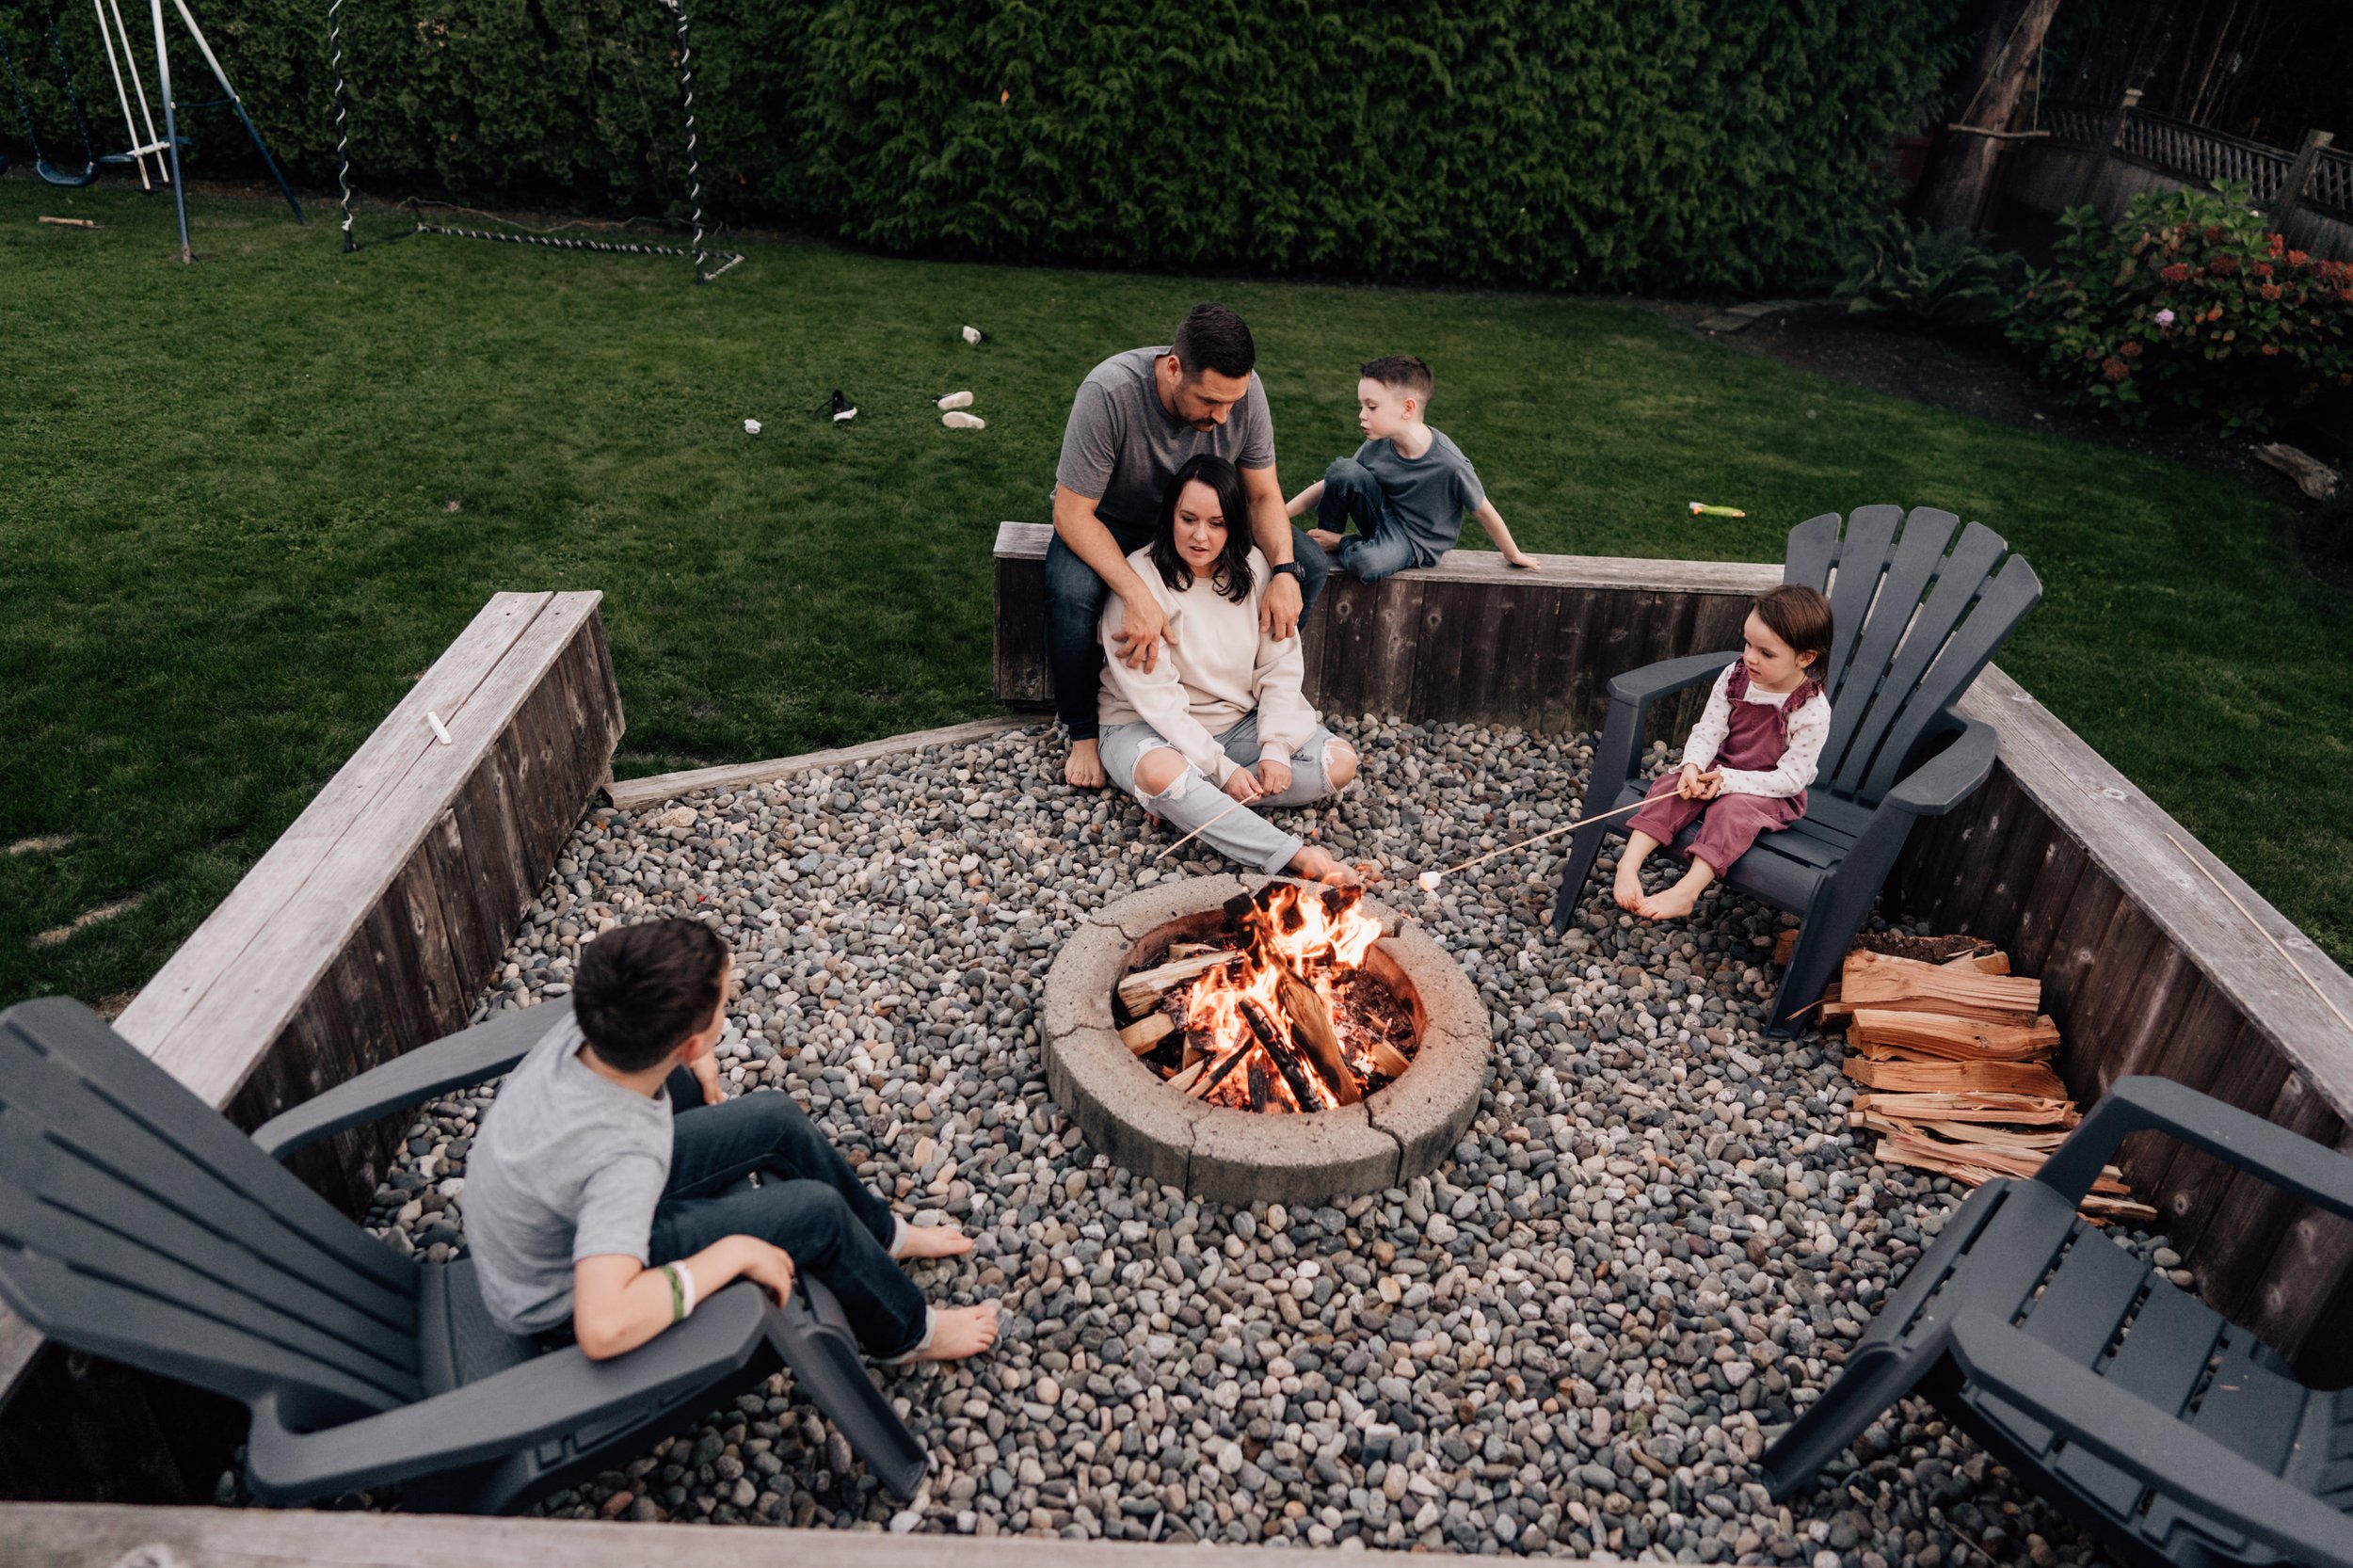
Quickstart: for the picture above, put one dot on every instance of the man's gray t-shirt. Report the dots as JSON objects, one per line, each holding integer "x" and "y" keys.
{"x": 1121, "y": 447}
{"x": 567, "y": 1165}
{"x": 1427, "y": 495}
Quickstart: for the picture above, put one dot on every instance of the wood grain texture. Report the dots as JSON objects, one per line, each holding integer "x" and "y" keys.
{"x": 635, "y": 794}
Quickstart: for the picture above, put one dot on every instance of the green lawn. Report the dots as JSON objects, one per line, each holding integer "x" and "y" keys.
{"x": 228, "y": 541}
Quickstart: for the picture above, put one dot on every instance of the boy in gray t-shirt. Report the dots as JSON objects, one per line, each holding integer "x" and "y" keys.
{"x": 1406, "y": 489}
{"x": 589, "y": 1205}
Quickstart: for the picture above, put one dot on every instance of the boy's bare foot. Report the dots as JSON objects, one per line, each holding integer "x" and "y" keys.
{"x": 1317, "y": 865}
{"x": 1325, "y": 537}
{"x": 1084, "y": 769}
{"x": 935, "y": 1241}
{"x": 1627, "y": 888}
{"x": 1671, "y": 905}
{"x": 959, "y": 1332}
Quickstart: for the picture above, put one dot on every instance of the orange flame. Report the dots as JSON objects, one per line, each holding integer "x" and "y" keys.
{"x": 1318, "y": 937}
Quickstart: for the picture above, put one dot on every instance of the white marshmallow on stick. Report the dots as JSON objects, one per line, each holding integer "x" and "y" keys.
{"x": 1430, "y": 880}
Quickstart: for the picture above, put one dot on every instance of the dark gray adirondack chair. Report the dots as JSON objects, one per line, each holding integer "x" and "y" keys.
{"x": 2176, "y": 1436}
{"x": 1917, "y": 618}
{"x": 137, "y": 1224}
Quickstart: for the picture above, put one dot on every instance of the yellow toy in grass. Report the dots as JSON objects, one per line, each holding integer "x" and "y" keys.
{"x": 1701, "y": 509}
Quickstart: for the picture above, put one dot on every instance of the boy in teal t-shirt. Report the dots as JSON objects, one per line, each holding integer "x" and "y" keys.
{"x": 1406, "y": 489}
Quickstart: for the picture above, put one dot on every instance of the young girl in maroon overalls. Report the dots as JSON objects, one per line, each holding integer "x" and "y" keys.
{"x": 1749, "y": 759}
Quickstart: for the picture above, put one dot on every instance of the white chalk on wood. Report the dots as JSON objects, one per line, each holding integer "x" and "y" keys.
{"x": 963, "y": 422}
{"x": 440, "y": 730}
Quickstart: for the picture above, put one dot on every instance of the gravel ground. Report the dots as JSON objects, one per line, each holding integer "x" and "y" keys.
{"x": 1576, "y": 1336}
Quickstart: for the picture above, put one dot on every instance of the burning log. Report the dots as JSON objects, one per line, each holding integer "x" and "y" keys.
{"x": 1388, "y": 1061}
{"x": 1139, "y": 989}
{"x": 1311, "y": 1027}
{"x": 1146, "y": 1033}
{"x": 1261, "y": 1095}
{"x": 1286, "y": 1060}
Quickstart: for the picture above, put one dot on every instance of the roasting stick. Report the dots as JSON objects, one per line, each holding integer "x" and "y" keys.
{"x": 1180, "y": 843}
{"x": 1430, "y": 879}
{"x": 2325, "y": 1001}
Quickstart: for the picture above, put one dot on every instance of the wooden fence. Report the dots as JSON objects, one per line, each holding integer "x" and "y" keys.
{"x": 367, "y": 929}
{"x": 2147, "y": 964}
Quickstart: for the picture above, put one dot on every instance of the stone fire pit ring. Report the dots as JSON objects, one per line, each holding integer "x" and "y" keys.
{"x": 1241, "y": 1157}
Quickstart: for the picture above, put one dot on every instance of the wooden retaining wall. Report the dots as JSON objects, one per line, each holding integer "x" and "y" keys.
{"x": 367, "y": 929}
{"x": 2148, "y": 966}
{"x": 2052, "y": 176}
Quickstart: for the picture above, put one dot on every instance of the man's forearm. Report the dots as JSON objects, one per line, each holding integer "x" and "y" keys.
{"x": 1086, "y": 537}
{"x": 1270, "y": 524}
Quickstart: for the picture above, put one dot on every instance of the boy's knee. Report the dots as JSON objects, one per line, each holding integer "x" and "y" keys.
{"x": 1158, "y": 769}
{"x": 1349, "y": 475}
{"x": 1339, "y": 764}
{"x": 1366, "y": 564}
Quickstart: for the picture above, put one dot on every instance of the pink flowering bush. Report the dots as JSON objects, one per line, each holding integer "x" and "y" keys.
{"x": 2191, "y": 303}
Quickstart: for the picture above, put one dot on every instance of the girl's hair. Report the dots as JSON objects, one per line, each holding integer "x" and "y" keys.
{"x": 1800, "y": 617}
{"x": 1231, "y": 576}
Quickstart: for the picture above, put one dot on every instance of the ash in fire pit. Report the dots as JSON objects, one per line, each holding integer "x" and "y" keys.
{"x": 1274, "y": 1012}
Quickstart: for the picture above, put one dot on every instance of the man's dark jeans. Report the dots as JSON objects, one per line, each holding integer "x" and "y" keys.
{"x": 810, "y": 1203}
{"x": 1075, "y": 597}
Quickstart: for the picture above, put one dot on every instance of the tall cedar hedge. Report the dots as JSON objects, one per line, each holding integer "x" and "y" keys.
{"x": 1587, "y": 144}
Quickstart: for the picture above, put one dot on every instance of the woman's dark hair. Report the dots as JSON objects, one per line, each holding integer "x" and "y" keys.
{"x": 1800, "y": 616}
{"x": 642, "y": 990}
{"x": 1231, "y": 576}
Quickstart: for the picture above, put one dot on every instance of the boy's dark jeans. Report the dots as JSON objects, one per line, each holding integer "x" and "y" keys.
{"x": 810, "y": 1203}
{"x": 1075, "y": 597}
{"x": 1381, "y": 547}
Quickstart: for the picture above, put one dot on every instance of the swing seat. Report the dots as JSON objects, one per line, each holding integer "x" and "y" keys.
{"x": 56, "y": 176}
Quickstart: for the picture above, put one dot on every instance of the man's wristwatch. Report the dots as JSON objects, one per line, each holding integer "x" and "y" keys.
{"x": 1289, "y": 569}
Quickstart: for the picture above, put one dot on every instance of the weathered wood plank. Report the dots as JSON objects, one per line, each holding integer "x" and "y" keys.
{"x": 634, "y": 794}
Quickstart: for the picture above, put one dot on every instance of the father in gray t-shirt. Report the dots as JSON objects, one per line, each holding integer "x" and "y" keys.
{"x": 1137, "y": 418}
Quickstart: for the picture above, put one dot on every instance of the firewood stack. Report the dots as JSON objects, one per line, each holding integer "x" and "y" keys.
{"x": 1954, "y": 1060}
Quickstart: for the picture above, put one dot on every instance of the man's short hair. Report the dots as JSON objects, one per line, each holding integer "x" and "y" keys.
{"x": 1213, "y": 338}
{"x": 1405, "y": 373}
{"x": 641, "y": 991}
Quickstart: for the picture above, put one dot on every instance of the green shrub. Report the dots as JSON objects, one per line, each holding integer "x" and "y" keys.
{"x": 1683, "y": 145}
{"x": 2191, "y": 303}
{"x": 1912, "y": 273}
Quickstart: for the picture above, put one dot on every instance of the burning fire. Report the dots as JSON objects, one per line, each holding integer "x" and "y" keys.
{"x": 1273, "y": 1019}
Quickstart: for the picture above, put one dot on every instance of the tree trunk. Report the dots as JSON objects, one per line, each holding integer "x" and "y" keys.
{"x": 1963, "y": 176}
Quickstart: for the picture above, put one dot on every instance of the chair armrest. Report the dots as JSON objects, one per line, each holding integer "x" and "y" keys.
{"x": 548, "y": 1396}
{"x": 2312, "y": 1172}
{"x": 452, "y": 1061}
{"x": 1950, "y": 776}
{"x": 2177, "y": 1460}
{"x": 1645, "y": 686}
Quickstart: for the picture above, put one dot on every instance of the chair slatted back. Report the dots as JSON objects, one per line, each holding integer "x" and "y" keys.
{"x": 136, "y": 1222}
{"x": 1918, "y": 612}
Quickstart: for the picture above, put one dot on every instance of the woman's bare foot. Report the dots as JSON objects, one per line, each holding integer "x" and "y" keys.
{"x": 1627, "y": 888}
{"x": 1317, "y": 865}
{"x": 933, "y": 1241}
{"x": 959, "y": 1332}
{"x": 1084, "y": 769}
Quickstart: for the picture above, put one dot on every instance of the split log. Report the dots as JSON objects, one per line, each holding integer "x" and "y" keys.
{"x": 1205, "y": 1079}
{"x": 2034, "y": 1146}
{"x": 1986, "y": 963}
{"x": 1311, "y": 1027}
{"x": 1388, "y": 1061}
{"x": 1871, "y": 979}
{"x": 1976, "y": 1164}
{"x": 1148, "y": 1032}
{"x": 1138, "y": 989}
{"x": 2006, "y": 1078}
{"x": 2000, "y": 1109}
{"x": 1260, "y": 1091}
{"x": 1953, "y": 1039}
{"x": 1278, "y": 1051}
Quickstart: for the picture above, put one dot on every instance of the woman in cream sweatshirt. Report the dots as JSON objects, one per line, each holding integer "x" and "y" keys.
{"x": 1217, "y": 724}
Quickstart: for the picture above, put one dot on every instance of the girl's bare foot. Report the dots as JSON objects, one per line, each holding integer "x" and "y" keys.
{"x": 1628, "y": 887}
{"x": 959, "y": 1332}
{"x": 933, "y": 1241}
{"x": 1085, "y": 770}
{"x": 1673, "y": 905}
{"x": 1317, "y": 865}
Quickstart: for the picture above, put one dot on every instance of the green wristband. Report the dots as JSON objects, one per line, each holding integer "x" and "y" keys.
{"x": 678, "y": 1294}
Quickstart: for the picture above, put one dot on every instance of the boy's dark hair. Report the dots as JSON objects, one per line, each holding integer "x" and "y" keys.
{"x": 641, "y": 990}
{"x": 1407, "y": 373}
{"x": 1800, "y": 617}
{"x": 1213, "y": 338}
{"x": 1231, "y": 576}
